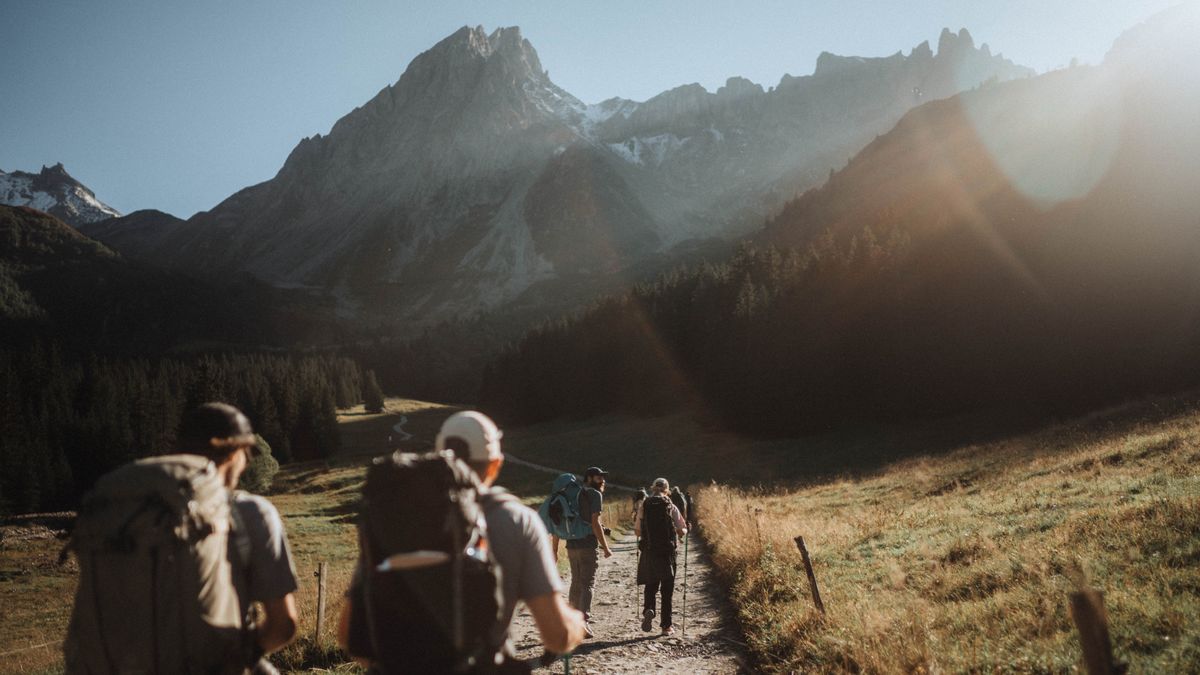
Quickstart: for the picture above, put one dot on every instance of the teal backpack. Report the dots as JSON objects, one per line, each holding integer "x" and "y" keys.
{"x": 560, "y": 512}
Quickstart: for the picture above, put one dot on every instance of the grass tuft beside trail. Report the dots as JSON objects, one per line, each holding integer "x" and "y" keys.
{"x": 963, "y": 563}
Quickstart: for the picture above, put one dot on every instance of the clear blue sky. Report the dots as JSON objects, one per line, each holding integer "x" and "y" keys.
{"x": 175, "y": 105}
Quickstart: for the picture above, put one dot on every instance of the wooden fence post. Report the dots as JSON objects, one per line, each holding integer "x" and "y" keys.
{"x": 812, "y": 578}
{"x": 322, "y": 575}
{"x": 1091, "y": 619}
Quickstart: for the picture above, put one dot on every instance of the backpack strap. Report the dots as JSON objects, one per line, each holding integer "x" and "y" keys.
{"x": 239, "y": 537}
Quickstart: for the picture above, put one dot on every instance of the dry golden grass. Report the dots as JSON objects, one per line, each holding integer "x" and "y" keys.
{"x": 963, "y": 563}
{"x": 317, "y": 501}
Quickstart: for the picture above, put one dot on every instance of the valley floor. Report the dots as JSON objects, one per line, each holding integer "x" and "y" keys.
{"x": 958, "y": 560}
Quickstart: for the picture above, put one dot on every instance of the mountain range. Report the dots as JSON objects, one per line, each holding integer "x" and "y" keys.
{"x": 1027, "y": 249}
{"x": 474, "y": 182}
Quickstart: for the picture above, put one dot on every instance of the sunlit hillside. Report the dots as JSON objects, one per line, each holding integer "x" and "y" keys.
{"x": 963, "y": 563}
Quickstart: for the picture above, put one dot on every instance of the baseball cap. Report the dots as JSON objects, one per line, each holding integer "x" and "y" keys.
{"x": 216, "y": 425}
{"x": 660, "y": 483}
{"x": 594, "y": 471}
{"x": 477, "y": 430}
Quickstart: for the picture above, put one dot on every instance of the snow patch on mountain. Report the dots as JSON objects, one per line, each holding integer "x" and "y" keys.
{"x": 648, "y": 151}
{"x": 54, "y": 191}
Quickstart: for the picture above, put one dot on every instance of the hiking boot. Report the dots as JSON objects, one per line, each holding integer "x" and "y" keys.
{"x": 668, "y": 630}
{"x": 647, "y": 619}
{"x": 587, "y": 631}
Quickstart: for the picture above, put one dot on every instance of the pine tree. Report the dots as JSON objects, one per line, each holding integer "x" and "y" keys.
{"x": 372, "y": 394}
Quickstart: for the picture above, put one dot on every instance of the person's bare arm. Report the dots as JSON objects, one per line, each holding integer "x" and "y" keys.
{"x": 678, "y": 521}
{"x": 598, "y": 530}
{"x": 560, "y": 626}
{"x": 279, "y": 623}
{"x": 554, "y": 547}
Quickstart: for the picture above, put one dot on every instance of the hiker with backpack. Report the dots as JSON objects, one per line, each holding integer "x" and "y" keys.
{"x": 171, "y": 559}
{"x": 681, "y": 502}
{"x": 658, "y": 525}
{"x": 585, "y": 544}
{"x": 444, "y": 558}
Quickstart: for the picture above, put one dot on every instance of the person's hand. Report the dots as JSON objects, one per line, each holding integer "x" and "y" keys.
{"x": 607, "y": 552}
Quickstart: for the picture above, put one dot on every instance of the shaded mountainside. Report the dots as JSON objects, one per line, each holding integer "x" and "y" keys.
{"x": 474, "y": 179}
{"x": 1029, "y": 246}
{"x": 58, "y": 284}
{"x": 54, "y": 191}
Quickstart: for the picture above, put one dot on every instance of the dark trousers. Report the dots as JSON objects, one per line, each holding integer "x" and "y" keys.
{"x": 668, "y": 589}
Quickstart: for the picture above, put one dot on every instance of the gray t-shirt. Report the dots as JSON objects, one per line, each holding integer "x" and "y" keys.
{"x": 269, "y": 572}
{"x": 522, "y": 550}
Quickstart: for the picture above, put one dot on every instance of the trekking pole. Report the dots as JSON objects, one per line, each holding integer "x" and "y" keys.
{"x": 637, "y": 556}
{"x": 685, "y": 561}
{"x": 567, "y": 663}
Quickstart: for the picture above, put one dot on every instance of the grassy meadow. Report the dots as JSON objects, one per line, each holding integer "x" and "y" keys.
{"x": 963, "y": 562}
{"x": 317, "y": 501}
{"x": 957, "y": 561}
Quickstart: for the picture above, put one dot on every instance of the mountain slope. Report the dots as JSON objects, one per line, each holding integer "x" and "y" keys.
{"x": 1026, "y": 249}
{"x": 57, "y": 284}
{"x": 474, "y": 179}
{"x": 54, "y": 191}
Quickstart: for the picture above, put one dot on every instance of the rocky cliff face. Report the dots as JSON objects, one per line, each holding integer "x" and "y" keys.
{"x": 54, "y": 191}
{"x": 474, "y": 177}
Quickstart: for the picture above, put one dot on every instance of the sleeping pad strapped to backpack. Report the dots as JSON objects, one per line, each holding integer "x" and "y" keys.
{"x": 560, "y": 512}
{"x": 430, "y": 585}
{"x": 155, "y": 589}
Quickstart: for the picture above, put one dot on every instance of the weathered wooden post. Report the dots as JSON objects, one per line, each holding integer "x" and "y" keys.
{"x": 812, "y": 578}
{"x": 322, "y": 575}
{"x": 1091, "y": 619}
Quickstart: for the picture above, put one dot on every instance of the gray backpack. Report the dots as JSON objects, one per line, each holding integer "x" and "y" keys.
{"x": 156, "y": 592}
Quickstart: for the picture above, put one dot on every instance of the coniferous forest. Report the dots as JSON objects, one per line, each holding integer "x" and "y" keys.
{"x": 65, "y": 421}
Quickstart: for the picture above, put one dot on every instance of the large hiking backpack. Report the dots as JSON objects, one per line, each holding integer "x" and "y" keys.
{"x": 560, "y": 512}
{"x": 658, "y": 530}
{"x": 431, "y": 587}
{"x": 155, "y": 590}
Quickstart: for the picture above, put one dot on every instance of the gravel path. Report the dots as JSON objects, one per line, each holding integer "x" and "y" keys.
{"x": 620, "y": 646}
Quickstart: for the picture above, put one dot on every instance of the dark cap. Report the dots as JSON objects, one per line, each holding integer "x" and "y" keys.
{"x": 216, "y": 428}
{"x": 594, "y": 471}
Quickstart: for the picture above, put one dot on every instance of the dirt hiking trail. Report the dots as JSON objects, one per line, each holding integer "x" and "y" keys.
{"x": 620, "y": 646}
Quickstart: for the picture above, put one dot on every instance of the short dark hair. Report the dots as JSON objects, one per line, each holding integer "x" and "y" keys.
{"x": 215, "y": 430}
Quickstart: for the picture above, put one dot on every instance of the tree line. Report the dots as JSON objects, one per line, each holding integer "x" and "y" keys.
{"x": 873, "y": 327}
{"x": 66, "y": 420}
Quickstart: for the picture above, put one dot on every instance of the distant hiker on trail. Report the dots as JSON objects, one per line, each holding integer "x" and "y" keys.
{"x": 658, "y": 524}
{"x": 171, "y": 558}
{"x": 517, "y": 542}
{"x": 638, "y": 497}
{"x": 582, "y": 553}
{"x": 681, "y": 502}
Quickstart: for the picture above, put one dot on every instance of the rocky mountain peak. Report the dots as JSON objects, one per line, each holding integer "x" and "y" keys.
{"x": 950, "y": 44}
{"x": 739, "y": 87}
{"x": 56, "y": 192}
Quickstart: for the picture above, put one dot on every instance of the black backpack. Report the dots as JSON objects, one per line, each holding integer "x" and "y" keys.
{"x": 430, "y": 586}
{"x": 658, "y": 531}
